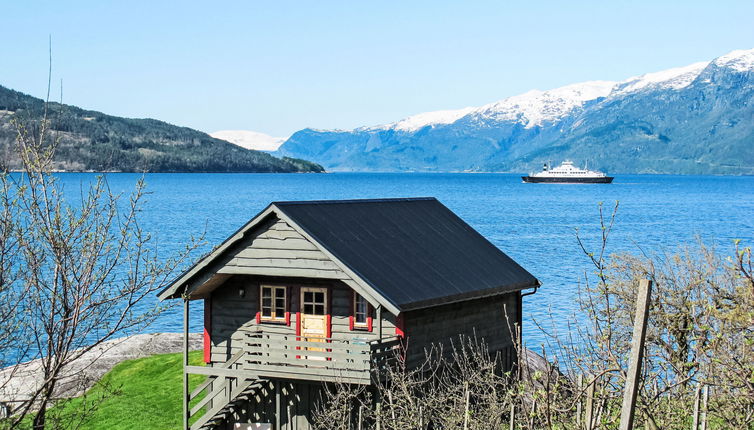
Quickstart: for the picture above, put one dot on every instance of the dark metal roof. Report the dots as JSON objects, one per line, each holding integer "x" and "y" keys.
{"x": 415, "y": 252}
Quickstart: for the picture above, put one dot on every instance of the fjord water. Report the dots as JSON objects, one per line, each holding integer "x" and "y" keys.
{"x": 533, "y": 223}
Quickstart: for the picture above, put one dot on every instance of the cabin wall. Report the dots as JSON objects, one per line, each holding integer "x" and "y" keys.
{"x": 232, "y": 316}
{"x": 485, "y": 318}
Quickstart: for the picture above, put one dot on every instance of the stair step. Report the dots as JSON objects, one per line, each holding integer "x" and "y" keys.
{"x": 220, "y": 415}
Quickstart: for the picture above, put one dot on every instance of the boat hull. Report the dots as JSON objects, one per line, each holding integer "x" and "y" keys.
{"x": 562, "y": 180}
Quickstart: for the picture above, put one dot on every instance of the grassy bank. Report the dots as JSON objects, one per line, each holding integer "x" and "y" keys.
{"x": 136, "y": 394}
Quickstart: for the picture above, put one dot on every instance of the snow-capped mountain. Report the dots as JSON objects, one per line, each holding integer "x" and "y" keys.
{"x": 249, "y": 139}
{"x": 688, "y": 117}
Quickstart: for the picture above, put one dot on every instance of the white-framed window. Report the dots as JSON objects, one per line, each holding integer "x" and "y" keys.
{"x": 360, "y": 311}
{"x": 273, "y": 303}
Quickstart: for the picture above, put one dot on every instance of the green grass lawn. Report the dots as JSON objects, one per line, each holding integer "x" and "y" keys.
{"x": 147, "y": 394}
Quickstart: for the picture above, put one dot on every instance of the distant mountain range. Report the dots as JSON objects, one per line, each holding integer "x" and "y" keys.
{"x": 697, "y": 119}
{"x": 93, "y": 141}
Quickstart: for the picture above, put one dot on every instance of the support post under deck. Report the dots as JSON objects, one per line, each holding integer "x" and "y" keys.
{"x": 186, "y": 409}
{"x": 278, "y": 405}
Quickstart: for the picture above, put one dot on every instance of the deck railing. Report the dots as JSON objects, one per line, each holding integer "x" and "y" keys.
{"x": 322, "y": 359}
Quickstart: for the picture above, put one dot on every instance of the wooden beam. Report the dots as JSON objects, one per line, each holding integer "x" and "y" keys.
{"x": 216, "y": 371}
{"x": 278, "y": 404}
{"x": 379, "y": 322}
{"x": 186, "y": 409}
{"x": 697, "y": 399}
{"x": 631, "y": 389}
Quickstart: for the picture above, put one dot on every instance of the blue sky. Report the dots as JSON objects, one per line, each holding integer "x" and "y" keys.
{"x": 280, "y": 66}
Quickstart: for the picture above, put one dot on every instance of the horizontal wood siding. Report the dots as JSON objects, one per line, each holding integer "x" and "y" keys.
{"x": 278, "y": 250}
{"x": 233, "y": 316}
{"x": 483, "y": 318}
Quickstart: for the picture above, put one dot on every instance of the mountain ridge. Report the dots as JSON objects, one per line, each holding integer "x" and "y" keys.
{"x": 94, "y": 141}
{"x": 692, "y": 119}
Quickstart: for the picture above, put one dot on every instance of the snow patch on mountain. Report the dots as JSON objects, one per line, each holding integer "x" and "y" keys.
{"x": 741, "y": 60}
{"x": 536, "y": 107}
{"x": 676, "y": 78}
{"x": 416, "y": 122}
{"x": 250, "y": 139}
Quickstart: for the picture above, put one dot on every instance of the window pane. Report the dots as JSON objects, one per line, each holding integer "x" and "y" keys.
{"x": 280, "y": 302}
{"x": 266, "y": 301}
{"x": 266, "y": 312}
{"x": 266, "y": 292}
{"x": 279, "y": 313}
{"x": 308, "y": 308}
{"x": 308, "y": 296}
{"x": 360, "y": 309}
{"x": 319, "y": 297}
{"x": 319, "y": 309}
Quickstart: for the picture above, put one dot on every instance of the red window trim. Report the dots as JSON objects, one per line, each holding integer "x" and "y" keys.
{"x": 328, "y": 313}
{"x": 399, "y": 326}
{"x": 207, "y": 341}
{"x": 298, "y": 329}
{"x": 352, "y": 325}
{"x": 286, "y": 320}
{"x": 328, "y": 326}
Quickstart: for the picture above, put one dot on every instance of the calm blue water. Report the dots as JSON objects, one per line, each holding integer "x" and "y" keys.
{"x": 532, "y": 223}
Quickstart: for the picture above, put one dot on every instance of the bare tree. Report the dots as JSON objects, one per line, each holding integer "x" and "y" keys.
{"x": 73, "y": 274}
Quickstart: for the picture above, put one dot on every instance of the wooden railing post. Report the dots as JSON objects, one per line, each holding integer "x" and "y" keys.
{"x": 466, "y": 407}
{"x": 637, "y": 355}
{"x": 512, "y": 420}
{"x": 589, "y": 407}
{"x": 705, "y": 406}
{"x": 579, "y": 388}
{"x": 697, "y": 399}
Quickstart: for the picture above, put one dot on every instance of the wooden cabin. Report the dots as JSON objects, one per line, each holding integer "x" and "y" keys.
{"x": 313, "y": 292}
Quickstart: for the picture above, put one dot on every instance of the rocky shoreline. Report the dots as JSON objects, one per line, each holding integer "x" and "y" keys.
{"x": 18, "y": 382}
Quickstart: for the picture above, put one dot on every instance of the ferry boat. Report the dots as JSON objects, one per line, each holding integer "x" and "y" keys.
{"x": 568, "y": 173}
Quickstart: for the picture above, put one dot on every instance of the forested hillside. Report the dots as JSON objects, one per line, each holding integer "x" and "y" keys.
{"x": 93, "y": 141}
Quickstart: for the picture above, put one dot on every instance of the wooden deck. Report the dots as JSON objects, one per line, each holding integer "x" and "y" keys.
{"x": 276, "y": 356}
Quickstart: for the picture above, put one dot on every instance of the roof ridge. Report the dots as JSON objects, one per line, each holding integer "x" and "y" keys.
{"x": 379, "y": 200}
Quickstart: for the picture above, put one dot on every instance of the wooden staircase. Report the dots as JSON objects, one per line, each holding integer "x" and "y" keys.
{"x": 222, "y": 394}
{"x": 217, "y": 414}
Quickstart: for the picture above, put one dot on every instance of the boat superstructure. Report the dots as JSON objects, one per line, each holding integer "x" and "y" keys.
{"x": 568, "y": 173}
